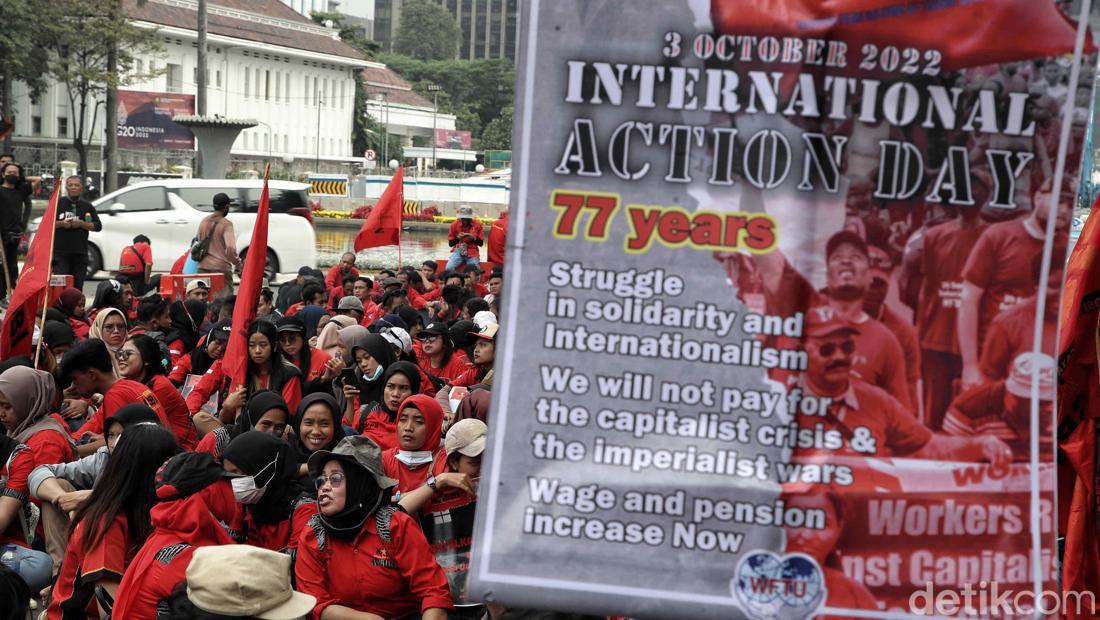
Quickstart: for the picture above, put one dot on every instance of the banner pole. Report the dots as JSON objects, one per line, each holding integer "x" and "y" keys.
{"x": 7, "y": 274}
{"x": 45, "y": 297}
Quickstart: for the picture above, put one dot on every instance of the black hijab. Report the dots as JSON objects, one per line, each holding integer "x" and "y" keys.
{"x": 186, "y": 318}
{"x": 400, "y": 368}
{"x": 382, "y": 352}
{"x": 272, "y": 462}
{"x": 362, "y": 497}
{"x": 129, "y": 415}
{"x": 301, "y": 452}
{"x": 260, "y": 403}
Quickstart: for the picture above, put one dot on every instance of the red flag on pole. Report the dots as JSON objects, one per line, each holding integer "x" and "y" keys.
{"x": 33, "y": 283}
{"x": 235, "y": 360}
{"x": 383, "y": 225}
{"x": 1078, "y": 393}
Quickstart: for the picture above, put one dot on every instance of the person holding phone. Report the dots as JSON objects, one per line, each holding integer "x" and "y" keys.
{"x": 75, "y": 218}
{"x": 465, "y": 236}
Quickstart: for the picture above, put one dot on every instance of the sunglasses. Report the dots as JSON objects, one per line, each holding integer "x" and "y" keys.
{"x": 429, "y": 339}
{"x": 848, "y": 347}
{"x": 124, "y": 354}
{"x": 336, "y": 480}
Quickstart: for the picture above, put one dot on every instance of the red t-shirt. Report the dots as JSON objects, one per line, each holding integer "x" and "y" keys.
{"x": 376, "y": 425}
{"x": 910, "y": 348}
{"x": 895, "y": 431}
{"x": 408, "y": 478}
{"x": 74, "y": 593}
{"x": 177, "y": 418}
{"x": 1011, "y": 334}
{"x": 335, "y": 276}
{"x": 1000, "y": 264}
{"x": 134, "y": 258}
{"x": 123, "y": 392}
{"x": 495, "y": 245}
{"x": 980, "y": 411}
{"x": 80, "y": 328}
{"x": 946, "y": 248}
{"x": 450, "y": 371}
{"x": 317, "y": 361}
{"x": 23, "y": 463}
{"x": 474, "y": 228}
{"x": 391, "y": 579}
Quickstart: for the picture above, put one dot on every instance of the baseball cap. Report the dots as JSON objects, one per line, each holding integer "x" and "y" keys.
{"x": 222, "y": 329}
{"x": 221, "y": 199}
{"x": 460, "y": 332}
{"x": 388, "y": 282}
{"x": 398, "y": 338}
{"x": 1020, "y": 377}
{"x": 823, "y": 321}
{"x": 242, "y": 580}
{"x": 483, "y": 318}
{"x": 197, "y": 283}
{"x": 487, "y": 332}
{"x": 465, "y": 212}
{"x": 290, "y": 324}
{"x": 358, "y": 450}
{"x": 435, "y": 328}
{"x": 350, "y": 302}
{"x": 842, "y": 237}
{"x": 466, "y": 437}
{"x": 58, "y": 334}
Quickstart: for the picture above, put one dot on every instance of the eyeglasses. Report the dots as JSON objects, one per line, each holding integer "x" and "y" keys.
{"x": 124, "y": 354}
{"x": 429, "y": 339}
{"x": 114, "y": 327}
{"x": 336, "y": 480}
{"x": 828, "y": 349}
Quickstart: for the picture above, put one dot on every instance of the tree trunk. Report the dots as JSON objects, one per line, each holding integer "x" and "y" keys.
{"x": 110, "y": 147}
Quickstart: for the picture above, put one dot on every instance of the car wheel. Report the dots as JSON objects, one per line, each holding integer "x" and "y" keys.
{"x": 271, "y": 265}
{"x": 95, "y": 261}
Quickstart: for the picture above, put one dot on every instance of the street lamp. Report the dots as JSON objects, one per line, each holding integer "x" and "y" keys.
{"x": 434, "y": 89}
{"x": 270, "y": 138}
{"x": 385, "y": 124}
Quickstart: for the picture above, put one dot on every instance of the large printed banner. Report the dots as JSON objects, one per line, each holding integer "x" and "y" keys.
{"x": 145, "y": 120}
{"x": 781, "y": 308}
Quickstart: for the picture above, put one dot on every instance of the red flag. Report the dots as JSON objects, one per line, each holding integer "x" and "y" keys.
{"x": 383, "y": 225}
{"x": 235, "y": 360}
{"x": 33, "y": 283}
{"x": 966, "y": 34}
{"x": 1078, "y": 393}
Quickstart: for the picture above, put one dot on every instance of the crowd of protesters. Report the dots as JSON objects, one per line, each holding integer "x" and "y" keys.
{"x": 136, "y": 483}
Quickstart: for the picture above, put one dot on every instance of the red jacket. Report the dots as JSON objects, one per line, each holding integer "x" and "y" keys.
{"x": 214, "y": 380}
{"x": 498, "y": 232}
{"x": 475, "y": 228}
{"x": 177, "y": 417}
{"x": 391, "y": 576}
{"x": 123, "y": 392}
{"x": 335, "y": 276}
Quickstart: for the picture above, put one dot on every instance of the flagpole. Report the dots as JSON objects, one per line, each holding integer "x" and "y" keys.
{"x": 45, "y": 295}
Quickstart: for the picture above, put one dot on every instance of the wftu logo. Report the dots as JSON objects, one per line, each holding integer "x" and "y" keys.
{"x": 787, "y": 587}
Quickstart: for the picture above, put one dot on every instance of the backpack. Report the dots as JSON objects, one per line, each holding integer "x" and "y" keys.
{"x": 200, "y": 248}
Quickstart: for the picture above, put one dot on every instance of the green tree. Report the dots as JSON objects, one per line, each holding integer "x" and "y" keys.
{"x": 427, "y": 31}
{"x": 77, "y": 48}
{"x": 21, "y": 38}
{"x": 498, "y": 133}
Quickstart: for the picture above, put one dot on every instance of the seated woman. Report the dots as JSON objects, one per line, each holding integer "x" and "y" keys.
{"x": 275, "y": 509}
{"x": 483, "y": 357}
{"x": 419, "y": 427}
{"x": 141, "y": 359}
{"x": 316, "y": 427}
{"x": 266, "y": 412}
{"x": 71, "y": 303}
{"x": 266, "y": 369}
{"x": 113, "y": 523}
{"x": 371, "y": 356}
{"x": 111, "y": 326}
{"x": 362, "y": 555}
{"x": 378, "y": 420}
{"x": 318, "y": 368}
{"x": 196, "y": 508}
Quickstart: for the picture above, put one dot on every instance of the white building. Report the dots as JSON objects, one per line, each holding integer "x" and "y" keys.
{"x": 265, "y": 62}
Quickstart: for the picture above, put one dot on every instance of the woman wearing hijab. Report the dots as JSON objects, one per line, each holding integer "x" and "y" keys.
{"x": 275, "y": 509}
{"x": 329, "y": 339}
{"x": 419, "y": 427}
{"x": 111, "y": 327}
{"x": 266, "y": 412}
{"x": 266, "y": 369}
{"x": 356, "y": 521}
{"x": 371, "y": 356}
{"x": 403, "y": 351}
{"x": 25, "y": 399}
{"x": 141, "y": 359}
{"x": 16, "y": 463}
{"x": 318, "y": 368}
{"x": 196, "y": 508}
{"x": 113, "y": 524}
{"x": 378, "y": 420}
{"x": 310, "y": 316}
{"x": 316, "y": 427}
{"x": 183, "y": 336}
{"x": 71, "y": 303}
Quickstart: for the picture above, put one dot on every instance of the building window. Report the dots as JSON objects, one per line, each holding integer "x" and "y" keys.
{"x": 341, "y": 95}
{"x": 175, "y": 78}
{"x": 138, "y": 67}
{"x": 267, "y": 85}
{"x": 278, "y": 85}
{"x": 247, "y": 82}
{"x": 218, "y": 78}
{"x": 259, "y": 85}
{"x": 36, "y": 125}
{"x": 62, "y": 127}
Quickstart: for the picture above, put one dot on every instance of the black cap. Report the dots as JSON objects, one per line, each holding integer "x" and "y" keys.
{"x": 435, "y": 328}
{"x": 57, "y": 334}
{"x": 221, "y": 199}
{"x": 222, "y": 329}
{"x": 460, "y": 333}
{"x": 290, "y": 324}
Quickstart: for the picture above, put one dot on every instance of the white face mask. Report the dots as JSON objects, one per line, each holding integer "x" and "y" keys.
{"x": 245, "y": 489}
{"x": 374, "y": 377}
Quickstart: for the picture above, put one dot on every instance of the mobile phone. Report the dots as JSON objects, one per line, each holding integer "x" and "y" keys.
{"x": 347, "y": 377}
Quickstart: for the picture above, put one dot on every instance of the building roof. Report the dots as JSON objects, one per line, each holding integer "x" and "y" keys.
{"x": 380, "y": 79}
{"x": 263, "y": 21}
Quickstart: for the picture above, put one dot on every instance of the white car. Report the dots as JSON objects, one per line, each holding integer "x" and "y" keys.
{"x": 168, "y": 211}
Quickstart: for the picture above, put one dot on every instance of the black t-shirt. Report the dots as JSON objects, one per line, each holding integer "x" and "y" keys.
{"x": 11, "y": 210}
{"x": 74, "y": 240}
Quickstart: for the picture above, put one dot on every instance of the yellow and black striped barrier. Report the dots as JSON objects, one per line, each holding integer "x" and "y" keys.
{"x": 412, "y": 207}
{"x": 329, "y": 187}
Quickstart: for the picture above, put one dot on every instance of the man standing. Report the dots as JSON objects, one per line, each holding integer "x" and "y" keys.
{"x": 136, "y": 263}
{"x": 466, "y": 236}
{"x": 340, "y": 271}
{"x": 75, "y": 217}
{"x": 11, "y": 221}
{"x": 221, "y": 251}
{"x": 498, "y": 232}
